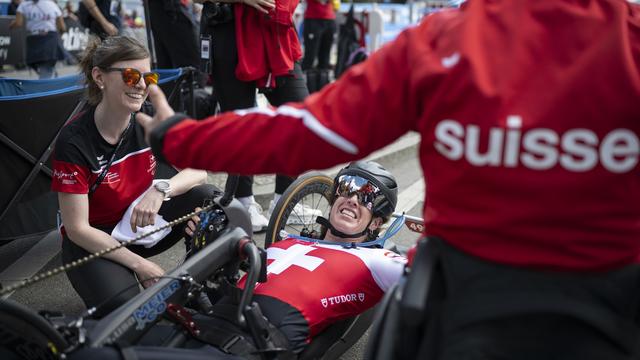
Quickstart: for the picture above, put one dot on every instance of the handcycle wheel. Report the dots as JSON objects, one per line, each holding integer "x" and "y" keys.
{"x": 28, "y": 335}
{"x": 311, "y": 190}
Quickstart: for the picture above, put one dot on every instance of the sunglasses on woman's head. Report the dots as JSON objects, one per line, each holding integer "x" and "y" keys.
{"x": 132, "y": 77}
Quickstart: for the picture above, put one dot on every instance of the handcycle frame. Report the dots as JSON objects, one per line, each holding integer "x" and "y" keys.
{"x": 132, "y": 320}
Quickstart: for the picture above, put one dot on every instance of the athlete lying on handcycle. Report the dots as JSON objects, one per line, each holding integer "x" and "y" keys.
{"x": 310, "y": 285}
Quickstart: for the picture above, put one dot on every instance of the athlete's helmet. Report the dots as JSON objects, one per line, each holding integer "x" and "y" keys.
{"x": 375, "y": 186}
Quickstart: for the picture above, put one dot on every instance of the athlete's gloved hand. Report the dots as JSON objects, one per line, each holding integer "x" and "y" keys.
{"x": 163, "y": 111}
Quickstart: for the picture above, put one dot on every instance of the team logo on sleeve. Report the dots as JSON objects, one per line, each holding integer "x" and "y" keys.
{"x": 66, "y": 178}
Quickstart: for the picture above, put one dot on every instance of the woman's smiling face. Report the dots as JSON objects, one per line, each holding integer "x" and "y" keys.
{"x": 117, "y": 93}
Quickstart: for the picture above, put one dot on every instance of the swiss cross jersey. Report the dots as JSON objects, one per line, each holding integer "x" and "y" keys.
{"x": 318, "y": 9}
{"x": 80, "y": 155}
{"x": 528, "y": 113}
{"x": 328, "y": 283}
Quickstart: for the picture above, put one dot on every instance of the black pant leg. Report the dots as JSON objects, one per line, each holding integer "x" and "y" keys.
{"x": 175, "y": 36}
{"x": 232, "y": 94}
{"x": 99, "y": 281}
{"x": 288, "y": 89}
{"x": 327, "y": 35}
{"x": 311, "y": 36}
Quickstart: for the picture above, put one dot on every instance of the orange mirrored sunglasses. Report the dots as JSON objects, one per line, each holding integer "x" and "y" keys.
{"x": 132, "y": 77}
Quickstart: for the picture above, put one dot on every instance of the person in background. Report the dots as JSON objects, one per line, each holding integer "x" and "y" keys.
{"x": 175, "y": 35}
{"x": 255, "y": 47}
{"x": 13, "y": 7}
{"x": 96, "y": 16}
{"x": 319, "y": 30}
{"x": 67, "y": 11}
{"x": 44, "y": 23}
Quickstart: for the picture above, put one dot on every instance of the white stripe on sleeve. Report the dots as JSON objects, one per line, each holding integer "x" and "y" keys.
{"x": 310, "y": 122}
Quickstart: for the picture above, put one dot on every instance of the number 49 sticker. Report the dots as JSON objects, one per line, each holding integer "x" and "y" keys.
{"x": 414, "y": 226}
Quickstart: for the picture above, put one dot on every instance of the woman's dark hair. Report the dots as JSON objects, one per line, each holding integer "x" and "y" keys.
{"x": 105, "y": 53}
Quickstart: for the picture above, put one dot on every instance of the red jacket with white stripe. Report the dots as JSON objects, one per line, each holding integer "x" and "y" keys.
{"x": 528, "y": 112}
{"x": 268, "y": 45}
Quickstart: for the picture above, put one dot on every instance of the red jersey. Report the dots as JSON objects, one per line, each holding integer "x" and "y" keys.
{"x": 328, "y": 283}
{"x": 80, "y": 156}
{"x": 528, "y": 112}
{"x": 318, "y": 9}
{"x": 268, "y": 45}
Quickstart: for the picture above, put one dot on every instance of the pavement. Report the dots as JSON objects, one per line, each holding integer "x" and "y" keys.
{"x": 26, "y": 73}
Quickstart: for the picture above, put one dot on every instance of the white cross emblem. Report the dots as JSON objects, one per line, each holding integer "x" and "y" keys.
{"x": 294, "y": 255}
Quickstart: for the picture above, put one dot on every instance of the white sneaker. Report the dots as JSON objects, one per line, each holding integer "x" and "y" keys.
{"x": 303, "y": 214}
{"x": 258, "y": 221}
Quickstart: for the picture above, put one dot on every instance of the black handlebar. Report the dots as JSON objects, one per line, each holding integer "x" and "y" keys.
{"x": 253, "y": 254}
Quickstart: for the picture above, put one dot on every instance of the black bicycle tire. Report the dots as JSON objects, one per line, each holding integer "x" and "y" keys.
{"x": 22, "y": 323}
{"x": 290, "y": 198}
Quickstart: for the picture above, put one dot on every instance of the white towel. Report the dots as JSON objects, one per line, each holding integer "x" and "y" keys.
{"x": 122, "y": 232}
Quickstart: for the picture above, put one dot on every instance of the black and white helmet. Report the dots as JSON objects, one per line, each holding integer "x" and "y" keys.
{"x": 380, "y": 191}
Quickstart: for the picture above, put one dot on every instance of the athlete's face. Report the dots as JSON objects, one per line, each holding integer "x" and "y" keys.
{"x": 349, "y": 217}
{"x": 125, "y": 84}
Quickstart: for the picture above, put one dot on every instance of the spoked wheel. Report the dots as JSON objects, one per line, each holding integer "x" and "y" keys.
{"x": 297, "y": 209}
{"x": 24, "y": 334}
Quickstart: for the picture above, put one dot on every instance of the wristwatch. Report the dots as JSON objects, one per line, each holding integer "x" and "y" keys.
{"x": 164, "y": 187}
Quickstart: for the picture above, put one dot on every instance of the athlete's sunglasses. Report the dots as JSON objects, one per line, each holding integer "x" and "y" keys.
{"x": 132, "y": 77}
{"x": 367, "y": 192}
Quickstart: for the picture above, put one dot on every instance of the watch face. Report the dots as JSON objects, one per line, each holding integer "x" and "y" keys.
{"x": 162, "y": 186}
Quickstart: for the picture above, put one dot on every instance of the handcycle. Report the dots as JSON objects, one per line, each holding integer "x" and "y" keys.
{"x": 313, "y": 190}
{"x": 214, "y": 265}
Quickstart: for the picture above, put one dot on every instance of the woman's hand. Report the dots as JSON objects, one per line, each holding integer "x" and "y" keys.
{"x": 261, "y": 5}
{"x": 144, "y": 213}
{"x": 148, "y": 272}
{"x": 190, "y": 229}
